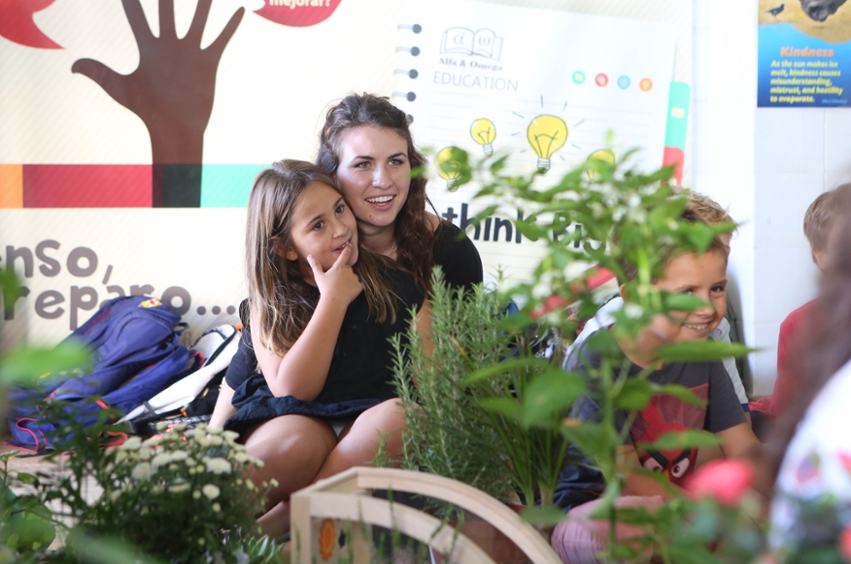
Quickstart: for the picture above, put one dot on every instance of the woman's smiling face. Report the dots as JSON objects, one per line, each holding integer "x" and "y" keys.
{"x": 374, "y": 175}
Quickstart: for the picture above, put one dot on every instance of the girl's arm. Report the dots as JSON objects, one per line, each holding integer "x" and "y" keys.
{"x": 224, "y": 408}
{"x": 302, "y": 370}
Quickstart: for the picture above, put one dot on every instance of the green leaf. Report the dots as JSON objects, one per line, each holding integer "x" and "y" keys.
{"x": 607, "y": 501}
{"x": 603, "y": 342}
{"x": 669, "y": 209}
{"x": 679, "y": 440}
{"x": 549, "y": 393}
{"x": 531, "y": 231}
{"x": 30, "y": 363}
{"x": 507, "y": 366}
{"x": 682, "y": 302}
{"x": 26, "y": 478}
{"x": 86, "y": 547}
{"x": 589, "y": 437}
{"x": 499, "y": 164}
{"x": 549, "y": 515}
{"x": 634, "y": 394}
{"x": 701, "y": 351}
{"x": 700, "y": 235}
{"x": 680, "y": 392}
{"x": 504, "y": 406}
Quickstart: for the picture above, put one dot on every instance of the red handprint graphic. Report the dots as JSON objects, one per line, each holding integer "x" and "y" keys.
{"x": 172, "y": 91}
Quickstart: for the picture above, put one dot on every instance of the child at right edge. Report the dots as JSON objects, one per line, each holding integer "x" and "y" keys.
{"x": 580, "y": 538}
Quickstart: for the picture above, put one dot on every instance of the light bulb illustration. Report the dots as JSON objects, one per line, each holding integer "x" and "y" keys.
{"x": 603, "y": 155}
{"x": 483, "y": 132}
{"x": 546, "y": 135}
{"x": 449, "y": 163}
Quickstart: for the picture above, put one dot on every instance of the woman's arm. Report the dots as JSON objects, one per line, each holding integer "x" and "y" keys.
{"x": 302, "y": 370}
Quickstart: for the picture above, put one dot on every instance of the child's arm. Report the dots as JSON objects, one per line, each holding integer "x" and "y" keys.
{"x": 740, "y": 442}
{"x": 224, "y": 408}
{"x": 423, "y": 321}
{"x": 302, "y": 370}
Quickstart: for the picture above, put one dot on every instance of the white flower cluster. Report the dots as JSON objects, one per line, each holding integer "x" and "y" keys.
{"x": 200, "y": 462}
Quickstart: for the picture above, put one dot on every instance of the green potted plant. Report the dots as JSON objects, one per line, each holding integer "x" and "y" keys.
{"x": 184, "y": 496}
{"x": 512, "y": 410}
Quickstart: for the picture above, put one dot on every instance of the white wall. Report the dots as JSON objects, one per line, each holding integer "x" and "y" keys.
{"x": 767, "y": 164}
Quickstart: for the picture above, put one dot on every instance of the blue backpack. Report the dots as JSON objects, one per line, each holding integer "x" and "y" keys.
{"x": 135, "y": 352}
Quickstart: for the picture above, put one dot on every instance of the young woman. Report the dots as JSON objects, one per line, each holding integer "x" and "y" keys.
{"x": 367, "y": 146}
{"x": 318, "y": 299}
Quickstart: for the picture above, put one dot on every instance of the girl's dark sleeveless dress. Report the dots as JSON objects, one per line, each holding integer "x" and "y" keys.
{"x": 360, "y": 376}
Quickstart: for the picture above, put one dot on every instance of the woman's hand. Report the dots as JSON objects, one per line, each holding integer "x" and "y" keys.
{"x": 339, "y": 283}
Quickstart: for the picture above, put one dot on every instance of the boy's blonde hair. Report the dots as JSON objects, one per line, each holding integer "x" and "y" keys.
{"x": 819, "y": 216}
{"x": 689, "y": 216}
{"x": 707, "y": 209}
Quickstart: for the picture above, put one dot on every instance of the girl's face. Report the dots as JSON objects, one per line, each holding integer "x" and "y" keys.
{"x": 705, "y": 277}
{"x": 322, "y": 225}
{"x": 374, "y": 174}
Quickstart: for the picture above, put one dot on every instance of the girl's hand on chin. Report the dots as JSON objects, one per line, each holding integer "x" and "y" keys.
{"x": 339, "y": 282}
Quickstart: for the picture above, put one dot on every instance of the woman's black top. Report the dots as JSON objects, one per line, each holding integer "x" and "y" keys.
{"x": 459, "y": 259}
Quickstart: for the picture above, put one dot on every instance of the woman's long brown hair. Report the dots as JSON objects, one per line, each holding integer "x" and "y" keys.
{"x": 277, "y": 290}
{"x": 413, "y": 233}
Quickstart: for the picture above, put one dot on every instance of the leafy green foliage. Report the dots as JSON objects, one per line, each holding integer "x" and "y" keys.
{"x": 197, "y": 478}
{"x": 631, "y": 225}
{"x": 31, "y": 365}
{"x": 447, "y": 431}
{"x": 171, "y": 499}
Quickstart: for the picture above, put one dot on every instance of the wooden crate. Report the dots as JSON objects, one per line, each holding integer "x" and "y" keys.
{"x": 343, "y": 505}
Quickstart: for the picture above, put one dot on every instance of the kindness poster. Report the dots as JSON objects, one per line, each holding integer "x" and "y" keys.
{"x": 804, "y": 53}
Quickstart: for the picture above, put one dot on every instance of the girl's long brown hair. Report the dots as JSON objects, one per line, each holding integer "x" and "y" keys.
{"x": 277, "y": 290}
{"x": 413, "y": 233}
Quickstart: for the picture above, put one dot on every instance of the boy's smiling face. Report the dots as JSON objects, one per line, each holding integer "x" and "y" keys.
{"x": 705, "y": 277}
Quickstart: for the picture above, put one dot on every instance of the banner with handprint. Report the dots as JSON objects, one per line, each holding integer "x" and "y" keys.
{"x": 131, "y": 133}
{"x": 118, "y": 118}
{"x": 155, "y": 74}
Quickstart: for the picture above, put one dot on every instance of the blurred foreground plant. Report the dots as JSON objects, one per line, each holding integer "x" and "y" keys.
{"x": 185, "y": 496}
{"x": 629, "y": 223}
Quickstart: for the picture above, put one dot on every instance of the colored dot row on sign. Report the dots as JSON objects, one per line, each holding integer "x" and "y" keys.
{"x": 216, "y": 310}
{"x": 623, "y": 82}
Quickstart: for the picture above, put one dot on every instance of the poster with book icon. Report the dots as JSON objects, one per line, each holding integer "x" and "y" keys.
{"x": 548, "y": 88}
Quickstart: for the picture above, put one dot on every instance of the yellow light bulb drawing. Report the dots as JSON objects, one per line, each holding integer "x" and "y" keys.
{"x": 603, "y": 155}
{"x": 449, "y": 165}
{"x": 546, "y": 135}
{"x": 483, "y": 132}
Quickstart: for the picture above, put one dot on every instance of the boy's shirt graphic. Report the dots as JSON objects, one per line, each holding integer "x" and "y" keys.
{"x": 667, "y": 414}
{"x": 580, "y": 482}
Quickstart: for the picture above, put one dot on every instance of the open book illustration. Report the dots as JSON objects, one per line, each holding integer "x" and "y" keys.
{"x": 462, "y": 41}
{"x": 550, "y": 88}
